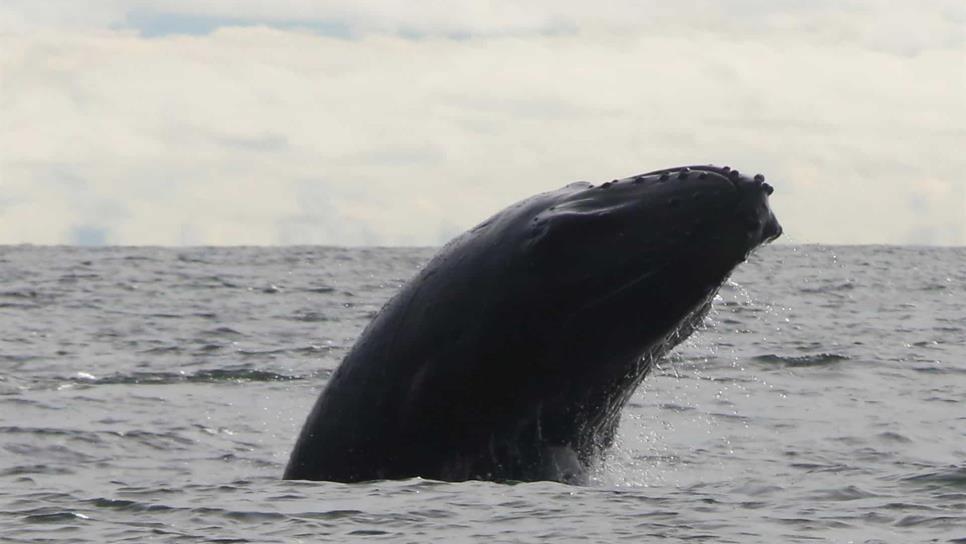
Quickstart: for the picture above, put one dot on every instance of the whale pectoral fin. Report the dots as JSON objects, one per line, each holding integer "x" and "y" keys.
{"x": 563, "y": 465}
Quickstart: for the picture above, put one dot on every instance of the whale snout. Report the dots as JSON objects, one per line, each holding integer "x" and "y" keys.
{"x": 764, "y": 226}
{"x": 731, "y": 201}
{"x": 772, "y": 229}
{"x": 714, "y": 210}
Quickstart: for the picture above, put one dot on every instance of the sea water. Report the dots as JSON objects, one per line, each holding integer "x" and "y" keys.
{"x": 153, "y": 395}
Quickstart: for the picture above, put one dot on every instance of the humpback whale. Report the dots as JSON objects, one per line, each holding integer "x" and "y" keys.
{"x": 510, "y": 355}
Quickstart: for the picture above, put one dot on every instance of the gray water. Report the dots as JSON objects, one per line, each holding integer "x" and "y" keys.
{"x": 154, "y": 394}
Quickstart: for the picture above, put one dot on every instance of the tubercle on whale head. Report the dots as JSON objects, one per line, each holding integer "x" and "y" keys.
{"x": 715, "y": 214}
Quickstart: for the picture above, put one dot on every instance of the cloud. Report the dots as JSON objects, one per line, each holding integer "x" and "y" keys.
{"x": 894, "y": 26}
{"x": 257, "y": 125}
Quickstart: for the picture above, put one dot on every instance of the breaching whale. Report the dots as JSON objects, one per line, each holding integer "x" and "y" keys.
{"x": 510, "y": 355}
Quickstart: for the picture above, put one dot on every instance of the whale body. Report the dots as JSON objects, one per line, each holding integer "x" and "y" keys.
{"x": 510, "y": 355}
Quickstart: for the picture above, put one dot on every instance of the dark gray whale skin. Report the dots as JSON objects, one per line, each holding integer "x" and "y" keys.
{"x": 510, "y": 355}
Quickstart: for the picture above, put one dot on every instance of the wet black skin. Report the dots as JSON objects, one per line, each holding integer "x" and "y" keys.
{"x": 511, "y": 354}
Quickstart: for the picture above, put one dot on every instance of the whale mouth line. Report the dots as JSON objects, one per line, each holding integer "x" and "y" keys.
{"x": 613, "y": 293}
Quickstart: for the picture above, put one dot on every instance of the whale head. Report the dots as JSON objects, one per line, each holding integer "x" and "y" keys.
{"x": 617, "y": 274}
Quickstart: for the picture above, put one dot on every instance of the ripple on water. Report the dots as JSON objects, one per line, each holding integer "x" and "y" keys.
{"x": 953, "y": 477}
{"x": 817, "y": 359}
{"x": 47, "y": 515}
{"x": 216, "y": 375}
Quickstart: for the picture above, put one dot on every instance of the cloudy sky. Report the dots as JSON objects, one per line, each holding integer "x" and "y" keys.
{"x": 403, "y": 123}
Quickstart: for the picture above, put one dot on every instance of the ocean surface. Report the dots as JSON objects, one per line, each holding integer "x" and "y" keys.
{"x": 153, "y": 395}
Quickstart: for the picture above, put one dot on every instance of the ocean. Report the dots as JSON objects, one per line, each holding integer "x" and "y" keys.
{"x": 154, "y": 394}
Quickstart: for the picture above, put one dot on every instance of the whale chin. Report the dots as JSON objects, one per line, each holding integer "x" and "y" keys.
{"x": 510, "y": 355}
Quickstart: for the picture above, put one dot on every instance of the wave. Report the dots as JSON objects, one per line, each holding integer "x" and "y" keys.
{"x": 202, "y": 376}
{"x": 817, "y": 359}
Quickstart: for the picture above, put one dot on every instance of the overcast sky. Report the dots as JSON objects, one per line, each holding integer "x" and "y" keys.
{"x": 403, "y": 123}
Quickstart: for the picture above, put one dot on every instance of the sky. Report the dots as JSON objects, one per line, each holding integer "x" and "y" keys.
{"x": 214, "y": 122}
